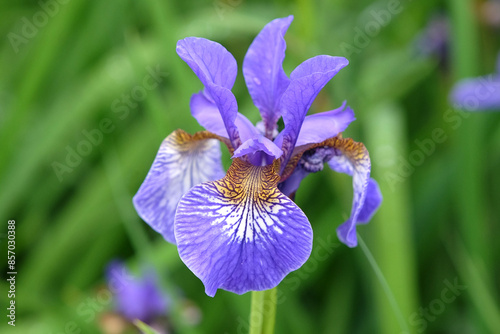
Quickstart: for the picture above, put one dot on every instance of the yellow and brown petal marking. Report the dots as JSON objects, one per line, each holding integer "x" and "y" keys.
{"x": 182, "y": 162}
{"x": 241, "y": 233}
{"x": 353, "y": 151}
{"x": 182, "y": 141}
{"x": 344, "y": 156}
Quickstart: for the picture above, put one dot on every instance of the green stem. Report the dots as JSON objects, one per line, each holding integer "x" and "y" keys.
{"x": 385, "y": 286}
{"x": 263, "y": 311}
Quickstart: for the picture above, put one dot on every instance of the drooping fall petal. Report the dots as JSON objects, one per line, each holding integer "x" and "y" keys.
{"x": 352, "y": 158}
{"x": 182, "y": 162}
{"x": 241, "y": 233}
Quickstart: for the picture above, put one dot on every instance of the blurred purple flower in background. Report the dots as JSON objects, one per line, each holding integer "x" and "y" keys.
{"x": 478, "y": 94}
{"x": 434, "y": 40}
{"x": 242, "y": 231}
{"x": 136, "y": 297}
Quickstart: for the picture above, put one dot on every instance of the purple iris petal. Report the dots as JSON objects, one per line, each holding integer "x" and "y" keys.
{"x": 307, "y": 81}
{"x": 136, "y": 298}
{"x": 245, "y": 128}
{"x": 292, "y": 183}
{"x": 210, "y": 61}
{"x": 216, "y": 68}
{"x": 352, "y": 158}
{"x": 263, "y": 71}
{"x": 241, "y": 233}
{"x": 325, "y": 65}
{"x": 373, "y": 200}
{"x": 482, "y": 93}
{"x": 181, "y": 163}
{"x": 319, "y": 127}
{"x": 207, "y": 114}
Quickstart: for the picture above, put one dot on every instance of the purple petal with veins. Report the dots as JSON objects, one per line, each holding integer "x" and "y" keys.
{"x": 182, "y": 162}
{"x": 241, "y": 233}
{"x": 307, "y": 81}
{"x": 216, "y": 68}
{"x": 207, "y": 114}
{"x": 352, "y": 158}
{"x": 319, "y": 127}
{"x": 263, "y": 71}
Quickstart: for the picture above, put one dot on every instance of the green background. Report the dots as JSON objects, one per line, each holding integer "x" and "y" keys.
{"x": 428, "y": 261}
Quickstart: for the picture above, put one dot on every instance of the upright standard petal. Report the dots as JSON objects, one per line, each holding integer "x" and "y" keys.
{"x": 216, "y": 68}
{"x": 263, "y": 71}
{"x": 182, "y": 162}
{"x": 352, "y": 158}
{"x": 241, "y": 233}
{"x": 307, "y": 81}
{"x": 319, "y": 127}
{"x": 210, "y": 61}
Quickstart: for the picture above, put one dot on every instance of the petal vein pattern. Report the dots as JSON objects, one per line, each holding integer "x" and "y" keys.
{"x": 241, "y": 233}
{"x": 182, "y": 162}
{"x": 263, "y": 71}
{"x": 216, "y": 68}
{"x": 307, "y": 81}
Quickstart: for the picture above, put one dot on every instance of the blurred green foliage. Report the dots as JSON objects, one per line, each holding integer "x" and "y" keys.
{"x": 89, "y": 89}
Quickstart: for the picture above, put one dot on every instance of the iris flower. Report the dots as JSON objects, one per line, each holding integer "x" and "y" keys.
{"x": 478, "y": 94}
{"x": 240, "y": 230}
{"x": 136, "y": 297}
